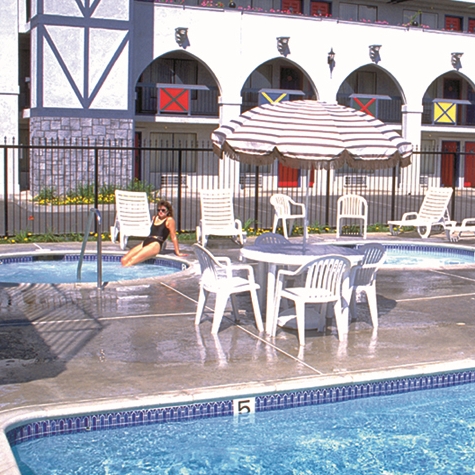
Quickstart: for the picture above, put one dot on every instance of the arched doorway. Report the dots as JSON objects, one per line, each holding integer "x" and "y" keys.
{"x": 275, "y": 81}
{"x": 373, "y": 91}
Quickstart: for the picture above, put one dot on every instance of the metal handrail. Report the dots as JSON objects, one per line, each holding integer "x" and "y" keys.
{"x": 93, "y": 212}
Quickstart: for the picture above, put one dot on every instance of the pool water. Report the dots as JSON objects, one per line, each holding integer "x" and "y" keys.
{"x": 61, "y": 270}
{"x": 426, "y": 258}
{"x": 424, "y": 432}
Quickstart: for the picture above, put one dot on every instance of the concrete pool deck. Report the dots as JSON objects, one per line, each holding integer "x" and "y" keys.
{"x": 67, "y": 349}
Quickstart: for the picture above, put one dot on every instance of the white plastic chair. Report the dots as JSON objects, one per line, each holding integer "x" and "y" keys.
{"x": 271, "y": 239}
{"x": 454, "y": 231}
{"x": 363, "y": 278}
{"x": 323, "y": 285}
{"x": 217, "y": 277}
{"x": 352, "y": 207}
{"x": 283, "y": 207}
{"x": 132, "y": 216}
{"x": 217, "y": 216}
{"x": 433, "y": 212}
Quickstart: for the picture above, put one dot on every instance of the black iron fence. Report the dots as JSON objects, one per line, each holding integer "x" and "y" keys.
{"x": 64, "y": 180}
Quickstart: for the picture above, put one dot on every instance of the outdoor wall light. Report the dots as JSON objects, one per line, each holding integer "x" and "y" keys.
{"x": 374, "y": 53}
{"x": 456, "y": 63}
{"x": 331, "y": 60}
{"x": 181, "y": 37}
{"x": 283, "y": 45}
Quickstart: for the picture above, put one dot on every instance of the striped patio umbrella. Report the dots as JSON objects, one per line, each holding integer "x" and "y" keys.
{"x": 311, "y": 135}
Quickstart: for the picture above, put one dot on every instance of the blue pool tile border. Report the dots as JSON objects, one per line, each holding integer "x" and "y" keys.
{"x": 268, "y": 402}
{"x": 426, "y": 249}
{"x": 92, "y": 257}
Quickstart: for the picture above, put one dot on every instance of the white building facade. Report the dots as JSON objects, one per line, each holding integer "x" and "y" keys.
{"x": 171, "y": 71}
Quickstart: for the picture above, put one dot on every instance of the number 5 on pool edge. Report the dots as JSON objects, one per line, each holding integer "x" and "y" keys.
{"x": 244, "y": 406}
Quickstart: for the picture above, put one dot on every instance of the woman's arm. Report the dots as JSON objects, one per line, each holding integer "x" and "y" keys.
{"x": 171, "y": 225}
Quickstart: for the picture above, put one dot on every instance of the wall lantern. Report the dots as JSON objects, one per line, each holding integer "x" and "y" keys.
{"x": 331, "y": 60}
{"x": 374, "y": 53}
{"x": 456, "y": 63}
{"x": 283, "y": 45}
{"x": 181, "y": 37}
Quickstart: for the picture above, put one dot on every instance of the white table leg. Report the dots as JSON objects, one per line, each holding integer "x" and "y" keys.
{"x": 271, "y": 270}
{"x": 261, "y": 280}
{"x": 346, "y": 291}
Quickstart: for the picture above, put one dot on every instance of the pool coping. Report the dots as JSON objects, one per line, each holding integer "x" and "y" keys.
{"x": 14, "y": 418}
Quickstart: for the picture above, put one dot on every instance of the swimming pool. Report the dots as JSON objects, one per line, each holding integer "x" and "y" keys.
{"x": 57, "y": 268}
{"x": 404, "y": 430}
{"x": 423, "y": 255}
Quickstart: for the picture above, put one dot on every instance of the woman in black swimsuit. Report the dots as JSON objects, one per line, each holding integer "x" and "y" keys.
{"x": 163, "y": 225}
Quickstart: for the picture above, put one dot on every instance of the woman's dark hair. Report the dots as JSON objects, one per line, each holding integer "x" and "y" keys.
{"x": 167, "y": 205}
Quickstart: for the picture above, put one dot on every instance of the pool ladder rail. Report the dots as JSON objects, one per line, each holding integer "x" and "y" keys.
{"x": 93, "y": 213}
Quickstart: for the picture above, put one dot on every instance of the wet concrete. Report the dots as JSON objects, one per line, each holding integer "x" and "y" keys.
{"x": 136, "y": 341}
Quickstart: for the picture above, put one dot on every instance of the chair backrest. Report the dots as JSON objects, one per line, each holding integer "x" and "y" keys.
{"x": 272, "y": 239}
{"x": 435, "y": 204}
{"x": 352, "y": 205}
{"x": 133, "y": 209}
{"x": 211, "y": 270}
{"x": 373, "y": 259}
{"x": 281, "y": 204}
{"x": 217, "y": 208}
{"x": 325, "y": 273}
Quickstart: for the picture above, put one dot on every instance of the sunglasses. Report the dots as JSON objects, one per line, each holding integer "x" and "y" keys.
{"x": 163, "y": 210}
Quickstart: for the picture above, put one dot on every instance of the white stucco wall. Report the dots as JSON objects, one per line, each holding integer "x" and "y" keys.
{"x": 9, "y": 88}
{"x": 232, "y": 44}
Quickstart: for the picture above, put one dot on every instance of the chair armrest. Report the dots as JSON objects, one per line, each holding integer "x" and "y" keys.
{"x": 294, "y": 203}
{"x": 224, "y": 260}
{"x": 408, "y": 216}
{"x": 244, "y": 267}
{"x": 468, "y": 222}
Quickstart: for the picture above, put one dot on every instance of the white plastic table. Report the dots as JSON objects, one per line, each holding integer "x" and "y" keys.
{"x": 269, "y": 257}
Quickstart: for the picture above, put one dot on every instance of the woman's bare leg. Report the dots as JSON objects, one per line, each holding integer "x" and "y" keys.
{"x": 135, "y": 250}
{"x": 135, "y": 256}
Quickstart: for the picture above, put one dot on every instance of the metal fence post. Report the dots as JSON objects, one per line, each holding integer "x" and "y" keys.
{"x": 5, "y": 189}
{"x": 256, "y": 200}
{"x": 96, "y": 182}
{"x": 180, "y": 174}
{"x": 393, "y": 194}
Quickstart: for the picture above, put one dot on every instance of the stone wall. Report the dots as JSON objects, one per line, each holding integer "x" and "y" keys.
{"x": 65, "y": 150}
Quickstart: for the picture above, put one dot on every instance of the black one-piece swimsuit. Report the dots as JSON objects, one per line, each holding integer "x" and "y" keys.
{"x": 158, "y": 233}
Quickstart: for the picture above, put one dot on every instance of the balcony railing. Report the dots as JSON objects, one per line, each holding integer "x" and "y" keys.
{"x": 177, "y": 99}
{"x": 465, "y": 114}
{"x": 276, "y": 7}
{"x": 387, "y": 111}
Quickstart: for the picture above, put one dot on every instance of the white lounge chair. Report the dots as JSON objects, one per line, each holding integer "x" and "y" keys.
{"x": 363, "y": 278}
{"x": 218, "y": 277}
{"x": 283, "y": 211}
{"x": 323, "y": 285}
{"x": 433, "y": 212}
{"x": 217, "y": 217}
{"x": 352, "y": 207}
{"x": 132, "y": 216}
{"x": 454, "y": 231}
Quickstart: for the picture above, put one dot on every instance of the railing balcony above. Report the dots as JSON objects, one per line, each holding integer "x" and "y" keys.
{"x": 176, "y": 99}
{"x": 461, "y": 113}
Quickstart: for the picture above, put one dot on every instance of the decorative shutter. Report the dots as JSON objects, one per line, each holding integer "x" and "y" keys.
{"x": 295, "y": 6}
